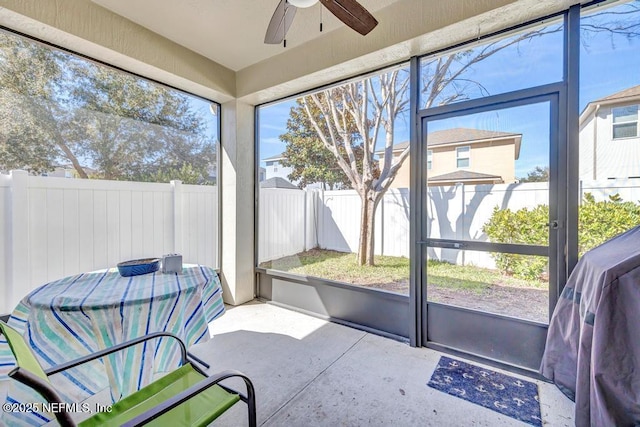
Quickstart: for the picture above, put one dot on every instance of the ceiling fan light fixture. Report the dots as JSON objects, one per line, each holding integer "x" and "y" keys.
{"x": 350, "y": 12}
{"x": 302, "y": 3}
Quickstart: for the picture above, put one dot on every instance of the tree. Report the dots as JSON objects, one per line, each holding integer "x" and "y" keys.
{"x": 448, "y": 79}
{"x": 134, "y": 129}
{"x": 33, "y": 117}
{"x": 57, "y": 109}
{"x": 305, "y": 154}
{"x": 369, "y": 105}
{"x": 374, "y": 103}
{"x": 186, "y": 173}
{"x": 538, "y": 174}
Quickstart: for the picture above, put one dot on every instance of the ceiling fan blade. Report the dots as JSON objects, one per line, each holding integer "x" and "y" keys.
{"x": 352, "y": 13}
{"x": 280, "y": 23}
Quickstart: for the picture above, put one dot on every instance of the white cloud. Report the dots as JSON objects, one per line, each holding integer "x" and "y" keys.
{"x": 279, "y": 127}
{"x": 272, "y": 140}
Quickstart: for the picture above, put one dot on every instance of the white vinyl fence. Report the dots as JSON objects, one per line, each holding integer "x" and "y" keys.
{"x": 339, "y": 222}
{"x": 55, "y": 227}
{"x": 295, "y": 220}
{"x": 283, "y": 223}
{"x": 292, "y": 221}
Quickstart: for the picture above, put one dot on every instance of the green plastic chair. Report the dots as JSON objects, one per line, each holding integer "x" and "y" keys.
{"x": 184, "y": 397}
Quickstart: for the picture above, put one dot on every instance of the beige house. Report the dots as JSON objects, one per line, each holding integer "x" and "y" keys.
{"x": 461, "y": 155}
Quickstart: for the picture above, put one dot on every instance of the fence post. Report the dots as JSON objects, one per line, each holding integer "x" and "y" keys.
{"x": 320, "y": 207}
{"x": 384, "y": 196}
{"x": 314, "y": 219}
{"x": 460, "y": 234}
{"x": 580, "y": 193}
{"x": 177, "y": 216}
{"x": 18, "y": 262}
{"x": 305, "y": 219}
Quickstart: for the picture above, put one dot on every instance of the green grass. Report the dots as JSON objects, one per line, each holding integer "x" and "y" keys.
{"x": 469, "y": 277}
{"x": 342, "y": 267}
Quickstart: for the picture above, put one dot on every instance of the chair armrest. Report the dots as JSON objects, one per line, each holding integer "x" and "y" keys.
{"x": 116, "y": 348}
{"x": 176, "y": 400}
{"x": 45, "y": 389}
{"x": 193, "y": 358}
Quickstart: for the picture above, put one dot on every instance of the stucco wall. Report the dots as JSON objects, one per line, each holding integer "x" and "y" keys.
{"x": 586, "y": 137}
{"x": 617, "y": 158}
{"x": 494, "y": 158}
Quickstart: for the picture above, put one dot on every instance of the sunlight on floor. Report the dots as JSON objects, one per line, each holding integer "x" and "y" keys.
{"x": 283, "y": 322}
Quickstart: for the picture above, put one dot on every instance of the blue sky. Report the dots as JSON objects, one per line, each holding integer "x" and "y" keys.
{"x": 608, "y": 64}
{"x": 203, "y": 108}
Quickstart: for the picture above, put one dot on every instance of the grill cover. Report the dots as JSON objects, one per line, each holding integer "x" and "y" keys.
{"x": 593, "y": 345}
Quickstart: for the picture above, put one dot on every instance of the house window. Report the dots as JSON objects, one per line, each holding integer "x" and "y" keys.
{"x": 429, "y": 159}
{"x": 462, "y": 157}
{"x": 625, "y": 122}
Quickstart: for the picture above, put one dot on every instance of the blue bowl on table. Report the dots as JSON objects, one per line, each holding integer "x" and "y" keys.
{"x": 137, "y": 267}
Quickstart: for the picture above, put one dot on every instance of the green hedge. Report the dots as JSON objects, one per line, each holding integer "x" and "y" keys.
{"x": 599, "y": 221}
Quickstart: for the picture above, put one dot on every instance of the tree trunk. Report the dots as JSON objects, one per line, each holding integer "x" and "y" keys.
{"x": 367, "y": 230}
{"x": 72, "y": 158}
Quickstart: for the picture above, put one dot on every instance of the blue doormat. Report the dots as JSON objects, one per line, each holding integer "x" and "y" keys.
{"x": 502, "y": 393}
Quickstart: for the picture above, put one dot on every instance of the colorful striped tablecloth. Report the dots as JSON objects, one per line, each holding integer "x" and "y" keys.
{"x": 81, "y": 314}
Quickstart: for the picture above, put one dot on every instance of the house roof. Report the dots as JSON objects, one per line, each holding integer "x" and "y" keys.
{"x": 278, "y": 182}
{"x": 87, "y": 169}
{"x": 457, "y": 136}
{"x": 630, "y": 94}
{"x": 275, "y": 157}
{"x": 460, "y": 176}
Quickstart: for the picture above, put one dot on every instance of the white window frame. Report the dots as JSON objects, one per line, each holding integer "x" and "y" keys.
{"x": 466, "y": 151}
{"x": 626, "y": 122}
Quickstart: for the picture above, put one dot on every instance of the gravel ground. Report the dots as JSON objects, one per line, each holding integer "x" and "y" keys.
{"x": 525, "y": 303}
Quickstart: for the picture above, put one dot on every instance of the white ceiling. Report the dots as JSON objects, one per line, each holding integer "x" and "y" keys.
{"x": 229, "y": 32}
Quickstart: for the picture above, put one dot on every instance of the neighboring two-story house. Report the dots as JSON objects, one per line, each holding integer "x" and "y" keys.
{"x": 278, "y": 175}
{"x": 274, "y": 168}
{"x": 610, "y": 137}
{"x": 462, "y": 155}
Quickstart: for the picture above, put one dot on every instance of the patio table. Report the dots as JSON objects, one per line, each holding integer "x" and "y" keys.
{"x": 82, "y": 314}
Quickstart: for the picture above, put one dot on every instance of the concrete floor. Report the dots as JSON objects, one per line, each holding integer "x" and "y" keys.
{"x": 309, "y": 372}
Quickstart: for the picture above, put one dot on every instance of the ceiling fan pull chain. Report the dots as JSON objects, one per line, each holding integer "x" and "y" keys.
{"x": 284, "y": 28}
{"x": 320, "y": 18}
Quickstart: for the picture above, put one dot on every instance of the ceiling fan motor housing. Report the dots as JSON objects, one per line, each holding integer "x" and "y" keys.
{"x": 302, "y": 3}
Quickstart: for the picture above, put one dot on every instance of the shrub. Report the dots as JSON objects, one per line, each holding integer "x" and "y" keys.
{"x": 525, "y": 226}
{"x": 599, "y": 221}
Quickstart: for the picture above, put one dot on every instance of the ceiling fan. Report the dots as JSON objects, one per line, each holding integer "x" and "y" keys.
{"x": 348, "y": 11}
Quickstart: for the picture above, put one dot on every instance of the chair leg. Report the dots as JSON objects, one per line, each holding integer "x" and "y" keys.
{"x": 251, "y": 406}
{"x": 251, "y": 402}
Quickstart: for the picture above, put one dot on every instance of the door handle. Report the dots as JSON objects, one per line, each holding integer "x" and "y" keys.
{"x": 554, "y": 225}
{"x": 443, "y": 245}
